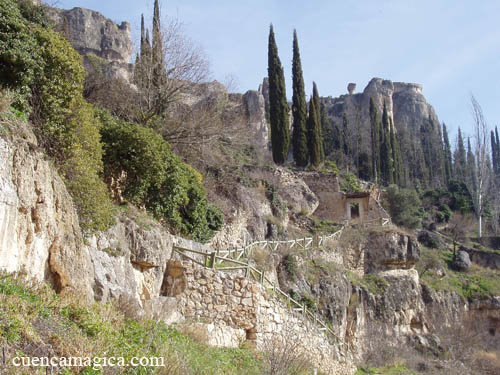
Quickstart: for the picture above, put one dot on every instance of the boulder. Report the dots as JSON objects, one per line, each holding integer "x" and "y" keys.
{"x": 462, "y": 261}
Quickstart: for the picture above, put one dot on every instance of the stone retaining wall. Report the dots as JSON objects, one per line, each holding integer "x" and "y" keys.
{"x": 230, "y": 309}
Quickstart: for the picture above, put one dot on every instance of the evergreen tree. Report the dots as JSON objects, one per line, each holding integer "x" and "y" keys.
{"x": 460, "y": 158}
{"x": 375, "y": 141}
{"x": 278, "y": 106}
{"x": 346, "y": 137}
{"x": 313, "y": 135}
{"x": 326, "y": 130}
{"x": 157, "y": 48}
{"x": 397, "y": 167}
{"x": 494, "y": 152}
{"x": 448, "y": 170}
{"x": 498, "y": 149}
{"x": 317, "y": 103}
{"x": 299, "y": 109}
{"x": 386, "y": 161}
{"x": 471, "y": 167}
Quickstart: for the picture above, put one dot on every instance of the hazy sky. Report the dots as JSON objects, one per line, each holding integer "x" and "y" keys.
{"x": 450, "y": 47}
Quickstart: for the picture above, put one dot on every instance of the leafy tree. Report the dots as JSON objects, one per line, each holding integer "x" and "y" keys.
{"x": 314, "y": 139}
{"x": 278, "y": 106}
{"x": 299, "y": 109}
{"x": 404, "y": 206}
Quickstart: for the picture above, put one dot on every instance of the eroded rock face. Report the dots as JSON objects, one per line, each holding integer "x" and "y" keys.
{"x": 91, "y": 33}
{"x": 390, "y": 250}
{"x": 406, "y": 105}
{"x": 256, "y": 112}
{"x": 39, "y": 227}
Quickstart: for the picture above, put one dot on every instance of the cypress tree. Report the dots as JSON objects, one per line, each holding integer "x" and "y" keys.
{"x": 317, "y": 103}
{"x": 448, "y": 170}
{"x": 471, "y": 166}
{"x": 386, "y": 161}
{"x": 299, "y": 109}
{"x": 278, "y": 106}
{"x": 313, "y": 135}
{"x": 326, "y": 130}
{"x": 375, "y": 142}
{"x": 498, "y": 148}
{"x": 494, "y": 153}
{"x": 346, "y": 136}
{"x": 460, "y": 158}
{"x": 157, "y": 48}
{"x": 397, "y": 168}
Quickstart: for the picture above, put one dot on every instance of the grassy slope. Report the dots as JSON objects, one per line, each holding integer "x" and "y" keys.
{"x": 36, "y": 321}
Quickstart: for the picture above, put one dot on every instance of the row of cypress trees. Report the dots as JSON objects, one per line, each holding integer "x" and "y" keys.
{"x": 307, "y": 139}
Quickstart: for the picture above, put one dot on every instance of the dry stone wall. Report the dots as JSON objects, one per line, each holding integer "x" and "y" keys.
{"x": 231, "y": 309}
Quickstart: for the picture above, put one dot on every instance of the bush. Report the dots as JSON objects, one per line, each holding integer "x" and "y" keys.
{"x": 45, "y": 71}
{"x": 404, "y": 207}
{"x": 157, "y": 179}
{"x": 350, "y": 184}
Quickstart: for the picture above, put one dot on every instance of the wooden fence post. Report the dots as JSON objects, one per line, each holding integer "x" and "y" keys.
{"x": 212, "y": 259}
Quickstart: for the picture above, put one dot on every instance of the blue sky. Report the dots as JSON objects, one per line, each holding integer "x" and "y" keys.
{"x": 450, "y": 47}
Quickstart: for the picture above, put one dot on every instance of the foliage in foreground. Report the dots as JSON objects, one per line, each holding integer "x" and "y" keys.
{"x": 32, "y": 317}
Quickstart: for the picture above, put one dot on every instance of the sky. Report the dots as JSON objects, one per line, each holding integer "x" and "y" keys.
{"x": 450, "y": 47}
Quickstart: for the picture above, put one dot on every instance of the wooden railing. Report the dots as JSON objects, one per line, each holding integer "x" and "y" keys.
{"x": 231, "y": 260}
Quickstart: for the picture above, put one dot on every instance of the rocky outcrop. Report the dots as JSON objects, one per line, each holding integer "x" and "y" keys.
{"x": 390, "y": 250}
{"x": 39, "y": 228}
{"x": 406, "y": 105}
{"x": 90, "y": 33}
{"x": 490, "y": 259}
{"x": 256, "y": 112}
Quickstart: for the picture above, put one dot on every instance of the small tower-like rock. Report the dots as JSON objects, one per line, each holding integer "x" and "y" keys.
{"x": 351, "y": 87}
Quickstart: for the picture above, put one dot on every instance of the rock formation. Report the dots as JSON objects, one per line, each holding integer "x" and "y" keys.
{"x": 405, "y": 103}
{"x": 91, "y": 33}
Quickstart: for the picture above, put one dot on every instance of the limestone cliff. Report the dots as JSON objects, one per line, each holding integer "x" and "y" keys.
{"x": 91, "y": 33}
{"x": 406, "y": 105}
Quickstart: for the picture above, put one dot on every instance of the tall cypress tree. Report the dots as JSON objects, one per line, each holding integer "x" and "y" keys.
{"x": 326, "y": 130}
{"x": 313, "y": 135}
{"x": 346, "y": 137}
{"x": 375, "y": 141}
{"x": 157, "y": 48}
{"x": 386, "y": 161}
{"x": 278, "y": 106}
{"x": 299, "y": 109}
{"x": 397, "y": 167}
{"x": 317, "y": 103}
{"x": 460, "y": 158}
{"x": 494, "y": 153}
{"x": 471, "y": 166}
{"x": 448, "y": 170}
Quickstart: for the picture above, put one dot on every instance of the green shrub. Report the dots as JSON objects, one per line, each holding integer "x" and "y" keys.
{"x": 47, "y": 74}
{"x": 157, "y": 179}
{"x": 404, "y": 206}
{"x": 350, "y": 184}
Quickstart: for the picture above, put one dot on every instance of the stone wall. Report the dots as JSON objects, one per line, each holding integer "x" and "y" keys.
{"x": 229, "y": 309}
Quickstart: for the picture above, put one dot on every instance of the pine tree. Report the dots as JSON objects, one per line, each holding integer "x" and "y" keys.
{"x": 278, "y": 106}
{"x": 313, "y": 135}
{"x": 448, "y": 170}
{"x": 317, "y": 103}
{"x": 460, "y": 158}
{"x": 386, "y": 161}
{"x": 375, "y": 141}
{"x": 299, "y": 109}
